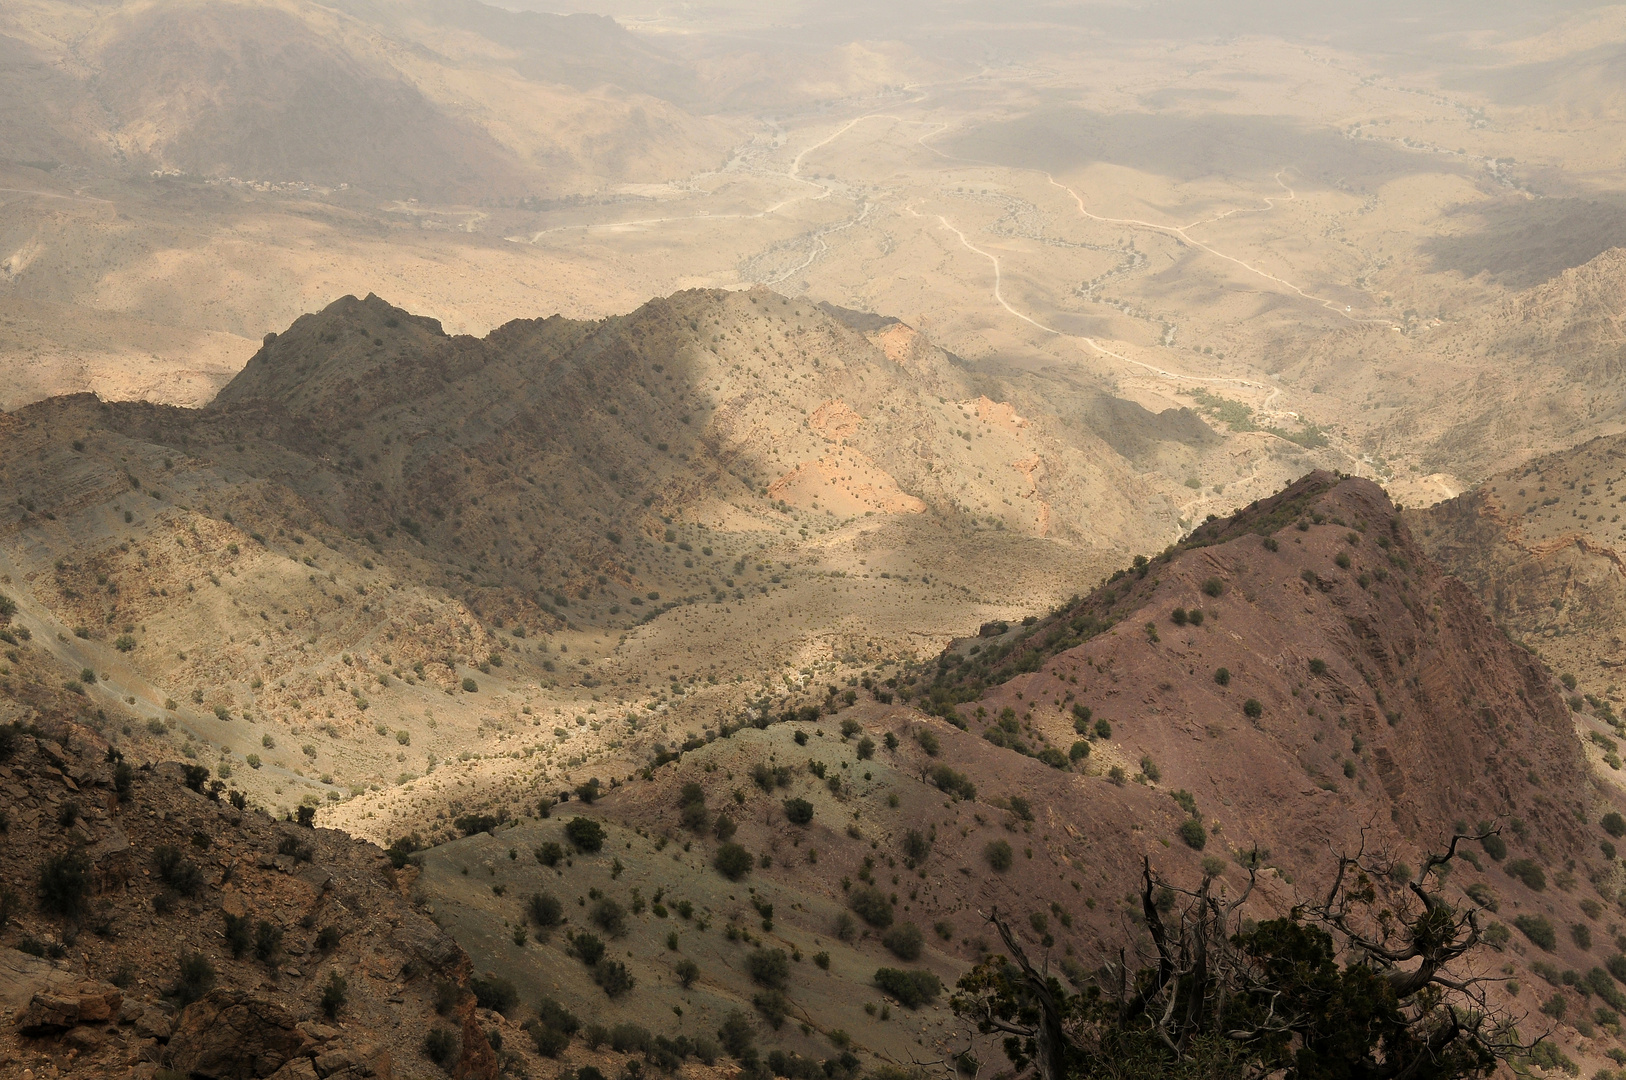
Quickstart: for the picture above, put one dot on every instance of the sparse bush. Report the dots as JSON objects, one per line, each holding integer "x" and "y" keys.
{"x": 953, "y": 783}
{"x": 998, "y": 855}
{"x": 334, "y": 994}
{"x": 1538, "y": 930}
{"x": 737, "y": 1035}
{"x": 239, "y": 936}
{"x": 545, "y": 910}
{"x": 904, "y": 941}
{"x": 773, "y": 1007}
{"x": 1529, "y": 872}
{"x": 609, "y": 916}
{"x": 916, "y": 845}
{"x": 912, "y": 988}
{"x": 687, "y": 972}
{"x": 64, "y": 883}
{"x": 495, "y": 992}
{"x": 550, "y": 853}
{"x": 585, "y": 834}
{"x": 613, "y": 977}
{"x": 871, "y": 905}
{"x": 440, "y": 1045}
{"x": 267, "y": 941}
{"x": 768, "y": 967}
{"x": 588, "y": 948}
{"x": 1214, "y": 586}
{"x": 732, "y": 861}
{"x": 176, "y": 871}
{"x": 928, "y": 742}
{"x": 327, "y": 939}
{"x": 197, "y": 977}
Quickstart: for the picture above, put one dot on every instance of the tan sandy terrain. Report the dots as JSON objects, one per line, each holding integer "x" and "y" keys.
{"x": 1385, "y": 251}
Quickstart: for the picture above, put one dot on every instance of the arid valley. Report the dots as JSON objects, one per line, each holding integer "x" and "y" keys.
{"x": 702, "y": 539}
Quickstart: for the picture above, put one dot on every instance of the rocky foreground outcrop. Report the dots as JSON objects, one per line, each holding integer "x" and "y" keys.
{"x": 148, "y": 926}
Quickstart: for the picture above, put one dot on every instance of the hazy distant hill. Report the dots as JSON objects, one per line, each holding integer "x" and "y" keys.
{"x": 427, "y": 99}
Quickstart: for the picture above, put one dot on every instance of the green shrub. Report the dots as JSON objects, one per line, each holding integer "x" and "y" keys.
{"x": 871, "y": 905}
{"x": 916, "y": 846}
{"x": 470, "y": 686}
{"x": 495, "y": 992}
{"x": 1079, "y": 750}
{"x": 1527, "y": 871}
{"x": 1222, "y": 675}
{"x": 334, "y": 994}
{"x": 912, "y": 988}
{"x": 588, "y": 948}
{"x": 998, "y": 854}
{"x": 176, "y": 871}
{"x": 904, "y": 941}
{"x": 798, "y": 811}
{"x": 1053, "y": 757}
{"x": 1253, "y": 709}
{"x": 732, "y": 861}
{"x": 953, "y": 783}
{"x": 768, "y": 967}
{"x": 197, "y": 977}
{"x": 928, "y": 742}
{"x": 613, "y": 977}
{"x": 1494, "y": 846}
{"x": 239, "y": 935}
{"x": 1614, "y": 824}
{"x": 585, "y": 834}
{"x": 550, "y": 853}
{"x": 1214, "y": 586}
{"x": 738, "y": 1035}
{"x": 687, "y": 972}
{"x": 64, "y": 883}
{"x": 440, "y": 1045}
{"x": 1538, "y": 930}
{"x": 1193, "y": 833}
{"x": 545, "y": 910}
{"x": 609, "y": 916}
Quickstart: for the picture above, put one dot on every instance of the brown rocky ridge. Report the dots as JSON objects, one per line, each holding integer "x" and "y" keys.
{"x": 1294, "y": 682}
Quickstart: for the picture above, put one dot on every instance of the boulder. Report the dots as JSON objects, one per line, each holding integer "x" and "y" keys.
{"x": 231, "y": 1035}
{"x": 53, "y": 1011}
{"x": 22, "y": 976}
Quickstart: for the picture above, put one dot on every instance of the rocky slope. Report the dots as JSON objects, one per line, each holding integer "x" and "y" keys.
{"x": 1541, "y": 547}
{"x": 383, "y": 547}
{"x": 1367, "y": 703}
{"x": 151, "y": 925}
